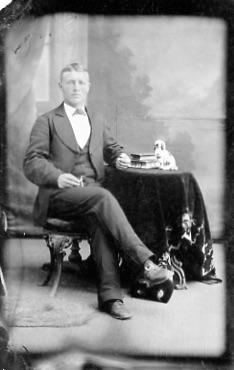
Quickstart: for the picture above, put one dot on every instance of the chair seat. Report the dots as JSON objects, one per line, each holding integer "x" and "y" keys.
{"x": 57, "y": 225}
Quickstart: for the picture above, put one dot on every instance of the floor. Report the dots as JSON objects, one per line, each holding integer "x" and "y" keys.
{"x": 191, "y": 326}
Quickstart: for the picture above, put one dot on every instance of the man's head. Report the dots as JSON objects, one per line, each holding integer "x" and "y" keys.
{"x": 74, "y": 83}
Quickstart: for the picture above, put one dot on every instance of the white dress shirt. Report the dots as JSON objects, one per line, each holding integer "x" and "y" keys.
{"x": 80, "y": 125}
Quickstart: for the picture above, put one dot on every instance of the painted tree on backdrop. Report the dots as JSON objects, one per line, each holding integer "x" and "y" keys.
{"x": 118, "y": 92}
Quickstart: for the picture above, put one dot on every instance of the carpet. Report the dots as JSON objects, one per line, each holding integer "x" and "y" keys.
{"x": 50, "y": 314}
{"x": 192, "y": 323}
{"x": 30, "y": 305}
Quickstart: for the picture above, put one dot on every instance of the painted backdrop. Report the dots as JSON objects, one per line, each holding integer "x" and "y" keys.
{"x": 152, "y": 77}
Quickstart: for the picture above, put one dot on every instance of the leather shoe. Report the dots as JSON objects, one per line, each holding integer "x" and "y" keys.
{"x": 116, "y": 308}
{"x": 156, "y": 274}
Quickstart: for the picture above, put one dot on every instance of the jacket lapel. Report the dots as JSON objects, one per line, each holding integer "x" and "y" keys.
{"x": 95, "y": 130}
{"x": 64, "y": 129}
{"x": 65, "y": 132}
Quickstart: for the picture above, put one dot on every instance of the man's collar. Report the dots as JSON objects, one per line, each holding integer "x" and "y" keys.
{"x": 71, "y": 110}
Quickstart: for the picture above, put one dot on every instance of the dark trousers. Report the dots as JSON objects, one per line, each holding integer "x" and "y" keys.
{"x": 110, "y": 230}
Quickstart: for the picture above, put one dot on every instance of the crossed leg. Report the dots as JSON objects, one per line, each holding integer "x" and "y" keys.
{"x": 110, "y": 231}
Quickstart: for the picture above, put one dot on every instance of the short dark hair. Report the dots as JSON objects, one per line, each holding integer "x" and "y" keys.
{"x": 73, "y": 67}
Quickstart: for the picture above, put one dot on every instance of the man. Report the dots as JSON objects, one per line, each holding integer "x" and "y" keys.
{"x": 67, "y": 143}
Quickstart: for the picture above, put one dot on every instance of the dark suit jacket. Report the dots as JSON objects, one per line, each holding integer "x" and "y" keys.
{"x": 52, "y": 151}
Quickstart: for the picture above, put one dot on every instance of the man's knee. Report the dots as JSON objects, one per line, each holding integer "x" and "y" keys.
{"x": 104, "y": 195}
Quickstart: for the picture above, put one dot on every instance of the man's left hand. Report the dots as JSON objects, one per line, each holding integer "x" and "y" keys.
{"x": 123, "y": 161}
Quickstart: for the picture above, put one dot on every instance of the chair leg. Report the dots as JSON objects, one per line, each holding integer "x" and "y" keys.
{"x": 58, "y": 270}
{"x": 75, "y": 256}
{"x": 50, "y": 267}
{"x": 57, "y": 245}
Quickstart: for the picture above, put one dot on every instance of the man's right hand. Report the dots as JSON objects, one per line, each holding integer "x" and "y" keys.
{"x": 67, "y": 180}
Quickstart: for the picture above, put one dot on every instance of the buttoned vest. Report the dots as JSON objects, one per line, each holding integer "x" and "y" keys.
{"x": 83, "y": 165}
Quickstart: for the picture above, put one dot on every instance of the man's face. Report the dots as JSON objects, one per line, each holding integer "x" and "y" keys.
{"x": 75, "y": 88}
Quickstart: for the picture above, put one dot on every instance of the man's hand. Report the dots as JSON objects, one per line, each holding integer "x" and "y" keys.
{"x": 123, "y": 161}
{"x": 67, "y": 180}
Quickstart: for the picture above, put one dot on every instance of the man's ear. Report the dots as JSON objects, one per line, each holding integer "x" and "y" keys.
{"x": 60, "y": 85}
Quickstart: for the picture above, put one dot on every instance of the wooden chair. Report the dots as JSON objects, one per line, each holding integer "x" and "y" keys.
{"x": 60, "y": 235}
